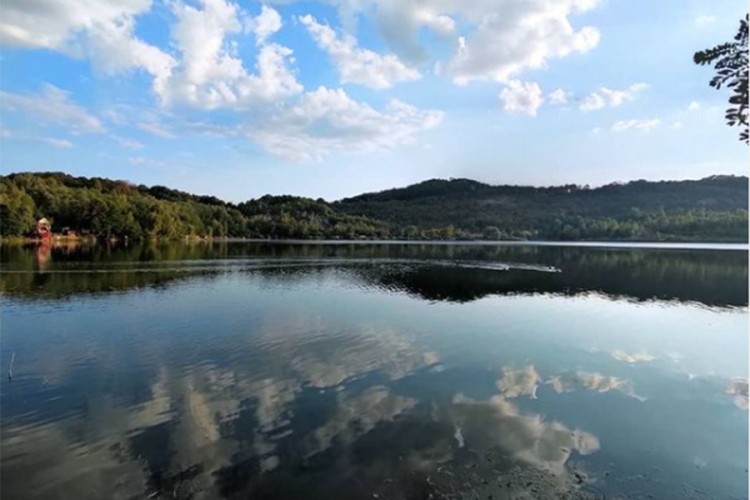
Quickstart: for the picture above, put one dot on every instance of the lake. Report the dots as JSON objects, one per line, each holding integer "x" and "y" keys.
{"x": 391, "y": 371}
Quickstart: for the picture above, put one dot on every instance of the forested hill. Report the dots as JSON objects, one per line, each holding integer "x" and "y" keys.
{"x": 710, "y": 209}
{"x": 107, "y": 208}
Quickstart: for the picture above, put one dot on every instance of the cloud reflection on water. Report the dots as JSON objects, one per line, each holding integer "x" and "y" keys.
{"x": 209, "y": 415}
{"x": 356, "y": 416}
{"x": 514, "y": 383}
{"x": 640, "y": 357}
{"x": 527, "y": 437}
{"x": 739, "y": 389}
{"x": 523, "y": 382}
{"x": 246, "y": 399}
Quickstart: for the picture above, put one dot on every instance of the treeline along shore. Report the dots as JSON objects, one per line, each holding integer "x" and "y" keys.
{"x": 713, "y": 209}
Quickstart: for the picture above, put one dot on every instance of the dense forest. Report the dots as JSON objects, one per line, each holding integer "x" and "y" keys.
{"x": 711, "y": 209}
{"x": 117, "y": 209}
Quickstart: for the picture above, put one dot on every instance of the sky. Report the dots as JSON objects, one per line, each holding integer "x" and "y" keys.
{"x": 338, "y": 97}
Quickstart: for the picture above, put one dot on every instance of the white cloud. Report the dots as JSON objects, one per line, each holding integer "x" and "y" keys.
{"x": 156, "y": 129}
{"x": 53, "y": 141}
{"x": 55, "y": 24}
{"x": 53, "y": 106}
{"x": 495, "y": 39}
{"x": 160, "y": 123}
{"x": 209, "y": 74}
{"x": 513, "y": 36}
{"x": 327, "y": 121}
{"x": 703, "y": 21}
{"x": 140, "y": 161}
{"x": 521, "y": 97}
{"x": 211, "y": 129}
{"x": 102, "y": 30}
{"x": 113, "y": 48}
{"x": 558, "y": 97}
{"x": 694, "y": 105}
{"x": 58, "y": 143}
{"x": 127, "y": 143}
{"x": 265, "y": 24}
{"x": 608, "y": 98}
{"x": 357, "y": 65}
{"x": 400, "y": 21}
{"x": 115, "y": 114}
{"x": 645, "y": 125}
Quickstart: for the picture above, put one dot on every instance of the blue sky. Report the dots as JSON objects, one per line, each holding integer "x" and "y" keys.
{"x": 330, "y": 99}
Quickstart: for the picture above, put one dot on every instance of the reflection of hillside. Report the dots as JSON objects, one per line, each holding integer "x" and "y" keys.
{"x": 715, "y": 278}
{"x": 86, "y": 269}
{"x": 59, "y": 285}
{"x": 466, "y": 284}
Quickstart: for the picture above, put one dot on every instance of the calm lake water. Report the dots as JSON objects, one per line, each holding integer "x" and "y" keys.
{"x": 262, "y": 370}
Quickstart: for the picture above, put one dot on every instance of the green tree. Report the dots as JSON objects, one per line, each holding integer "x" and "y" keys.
{"x": 411, "y": 232}
{"x": 731, "y": 67}
{"x": 447, "y": 232}
{"x": 491, "y": 233}
{"x": 16, "y": 210}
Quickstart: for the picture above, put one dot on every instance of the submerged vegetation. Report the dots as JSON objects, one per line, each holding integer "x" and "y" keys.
{"x": 710, "y": 209}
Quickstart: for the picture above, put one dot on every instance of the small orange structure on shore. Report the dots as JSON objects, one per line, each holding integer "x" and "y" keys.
{"x": 43, "y": 229}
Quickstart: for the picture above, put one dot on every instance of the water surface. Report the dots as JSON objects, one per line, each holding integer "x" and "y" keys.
{"x": 281, "y": 370}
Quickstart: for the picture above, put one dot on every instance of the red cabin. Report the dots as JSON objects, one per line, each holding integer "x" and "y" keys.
{"x": 43, "y": 229}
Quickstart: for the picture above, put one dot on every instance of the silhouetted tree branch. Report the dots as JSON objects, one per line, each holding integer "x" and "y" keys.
{"x": 732, "y": 71}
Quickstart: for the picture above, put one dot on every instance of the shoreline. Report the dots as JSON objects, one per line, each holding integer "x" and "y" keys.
{"x": 693, "y": 245}
{"x": 664, "y": 245}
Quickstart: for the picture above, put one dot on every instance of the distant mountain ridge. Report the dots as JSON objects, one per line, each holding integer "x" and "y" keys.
{"x": 633, "y": 210}
{"x": 710, "y": 209}
{"x": 720, "y": 185}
